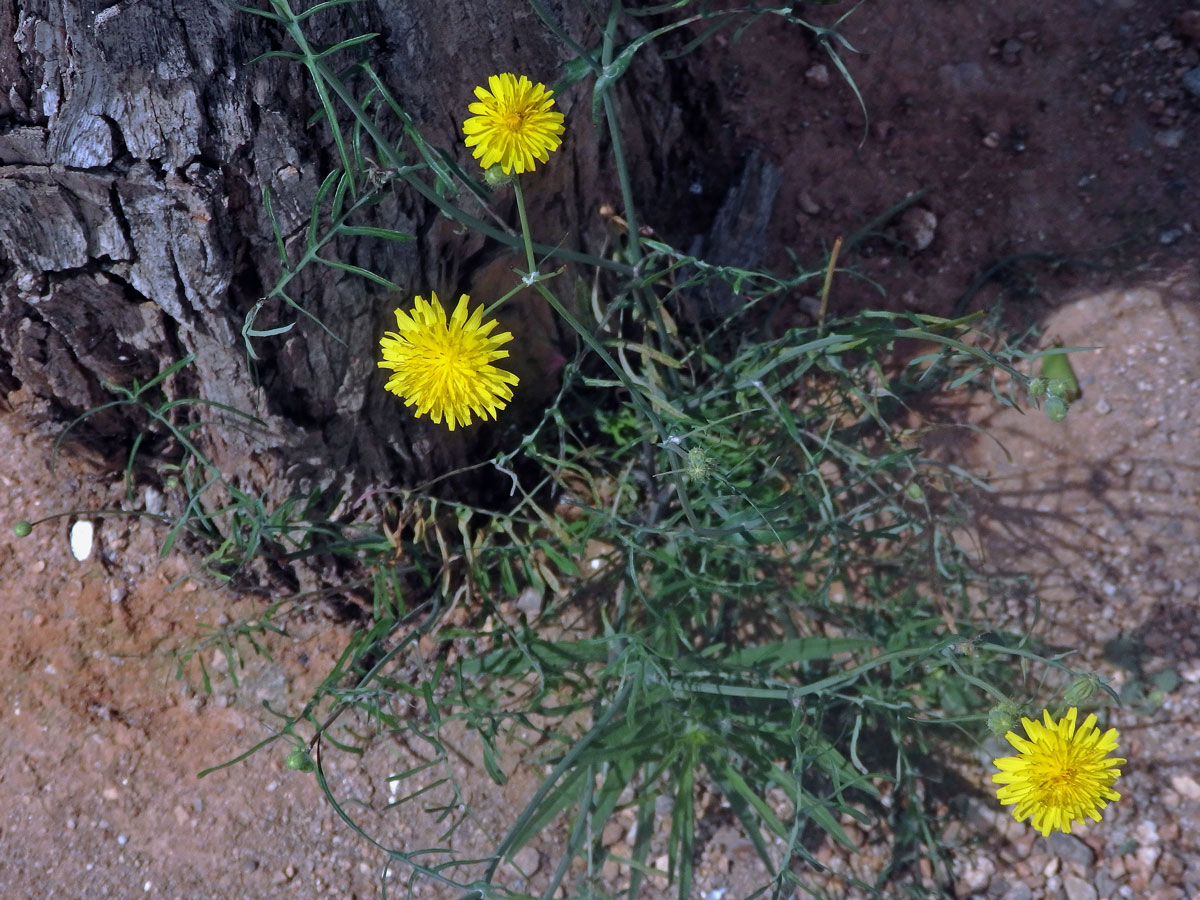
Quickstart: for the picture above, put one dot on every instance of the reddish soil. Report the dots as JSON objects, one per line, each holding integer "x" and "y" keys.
{"x": 1062, "y": 130}
{"x": 1058, "y": 136}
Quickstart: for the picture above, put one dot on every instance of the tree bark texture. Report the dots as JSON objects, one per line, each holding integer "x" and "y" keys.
{"x": 135, "y": 142}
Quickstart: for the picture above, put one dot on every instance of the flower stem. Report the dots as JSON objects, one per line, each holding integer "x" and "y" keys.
{"x": 520, "y": 286}
{"x": 528, "y": 238}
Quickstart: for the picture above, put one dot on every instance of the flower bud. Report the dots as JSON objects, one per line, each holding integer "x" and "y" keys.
{"x": 1060, "y": 387}
{"x": 1037, "y": 388}
{"x": 22, "y": 529}
{"x": 1003, "y": 717}
{"x": 495, "y": 176}
{"x": 299, "y": 761}
{"x": 1081, "y": 688}
{"x": 1056, "y": 408}
{"x": 699, "y": 466}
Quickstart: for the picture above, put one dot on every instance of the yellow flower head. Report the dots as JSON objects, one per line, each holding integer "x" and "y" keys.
{"x": 1060, "y": 773}
{"x": 513, "y": 124}
{"x": 445, "y": 368}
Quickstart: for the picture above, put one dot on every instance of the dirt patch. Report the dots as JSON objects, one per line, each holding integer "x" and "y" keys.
{"x": 100, "y": 744}
{"x": 1056, "y": 136}
{"x": 1099, "y": 514}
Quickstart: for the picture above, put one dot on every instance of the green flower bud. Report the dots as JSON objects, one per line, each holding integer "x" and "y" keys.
{"x": 1003, "y": 717}
{"x": 22, "y": 529}
{"x": 1037, "y": 388}
{"x": 1081, "y": 688}
{"x": 699, "y": 466}
{"x": 494, "y": 175}
{"x": 300, "y": 761}
{"x": 914, "y": 492}
{"x": 1056, "y": 408}
{"x": 1060, "y": 387}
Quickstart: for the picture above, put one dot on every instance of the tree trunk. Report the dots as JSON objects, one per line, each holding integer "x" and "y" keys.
{"x": 138, "y": 140}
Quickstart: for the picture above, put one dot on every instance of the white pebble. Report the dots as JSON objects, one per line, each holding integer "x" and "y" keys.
{"x": 82, "y": 537}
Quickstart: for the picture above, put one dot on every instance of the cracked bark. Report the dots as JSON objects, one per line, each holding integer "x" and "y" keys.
{"x": 135, "y": 142}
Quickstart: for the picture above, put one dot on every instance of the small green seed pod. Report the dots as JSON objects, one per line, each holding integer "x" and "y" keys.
{"x": 1060, "y": 387}
{"x": 1003, "y": 718}
{"x": 1056, "y": 408}
{"x": 699, "y": 466}
{"x": 23, "y": 529}
{"x": 299, "y": 761}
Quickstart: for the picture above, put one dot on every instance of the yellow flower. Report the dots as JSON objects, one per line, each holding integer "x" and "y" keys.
{"x": 513, "y": 124}
{"x": 446, "y": 368}
{"x": 1060, "y": 773}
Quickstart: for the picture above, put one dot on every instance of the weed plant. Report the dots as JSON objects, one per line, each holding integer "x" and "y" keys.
{"x": 725, "y": 569}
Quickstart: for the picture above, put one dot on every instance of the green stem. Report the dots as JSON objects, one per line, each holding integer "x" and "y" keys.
{"x": 618, "y": 148}
{"x": 525, "y": 227}
{"x": 635, "y": 395}
{"x": 520, "y": 286}
{"x": 323, "y": 75}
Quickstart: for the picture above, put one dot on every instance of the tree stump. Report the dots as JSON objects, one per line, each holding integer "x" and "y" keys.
{"x": 138, "y": 138}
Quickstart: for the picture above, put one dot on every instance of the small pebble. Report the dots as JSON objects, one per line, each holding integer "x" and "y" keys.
{"x": 1187, "y": 786}
{"x": 1078, "y": 889}
{"x": 1191, "y": 82}
{"x": 1169, "y": 138}
{"x": 918, "y": 226}
{"x": 818, "y": 76}
{"x": 82, "y": 539}
{"x": 1071, "y": 849}
{"x": 527, "y": 860}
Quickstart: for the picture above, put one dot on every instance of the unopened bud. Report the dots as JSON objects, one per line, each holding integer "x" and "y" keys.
{"x": 1037, "y": 388}
{"x": 22, "y": 529}
{"x": 299, "y": 761}
{"x": 699, "y": 466}
{"x": 496, "y": 176}
{"x": 1056, "y": 408}
{"x": 1060, "y": 387}
{"x": 1081, "y": 689}
{"x": 1003, "y": 717}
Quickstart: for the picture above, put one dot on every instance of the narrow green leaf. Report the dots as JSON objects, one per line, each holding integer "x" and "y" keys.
{"x": 358, "y": 270}
{"x": 321, "y": 7}
{"x": 347, "y": 44}
{"x": 564, "y": 564}
{"x": 790, "y": 652}
{"x": 388, "y": 234}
